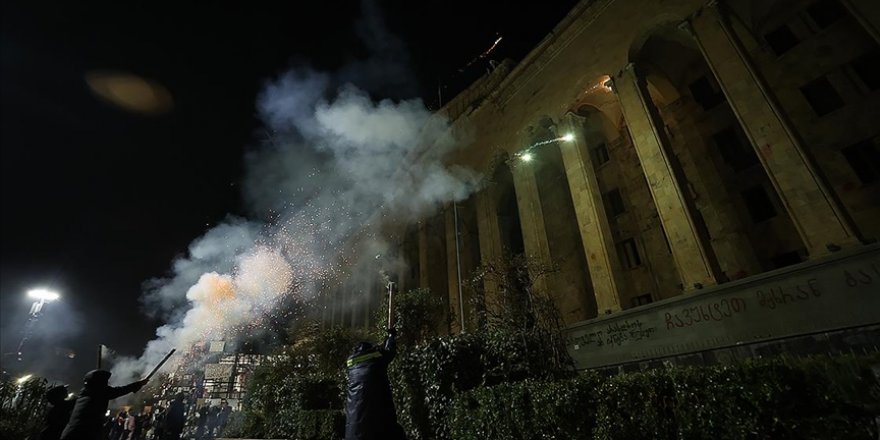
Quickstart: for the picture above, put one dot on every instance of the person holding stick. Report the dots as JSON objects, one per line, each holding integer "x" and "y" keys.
{"x": 369, "y": 406}
{"x": 87, "y": 418}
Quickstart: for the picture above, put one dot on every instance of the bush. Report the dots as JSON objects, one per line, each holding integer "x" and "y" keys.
{"x": 320, "y": 425}
{"x": 300, "y": 395}
{"x": 518, "y": 338}
{"x": 22, "y": 408}
{"x": 428, "y": 377}
{"x": 527, "y": 410}
{"x": 768, "y": 399}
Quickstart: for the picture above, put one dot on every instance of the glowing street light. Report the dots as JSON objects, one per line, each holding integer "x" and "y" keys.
{"x": 21, "y": 380}
{"x": 41, "y": 297}
{"x": 43, "y": 294}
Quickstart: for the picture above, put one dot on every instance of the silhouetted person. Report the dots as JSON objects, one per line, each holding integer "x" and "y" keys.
{"x": 212, "y": 420}
{"x": 159, "y": 423}
{"x": 140, "y": 423}
{"x": 369, "y": 407}
{"x": 203, "y": 420}
{"x": 91, "y": 405}
{"x": 222, "y": 417}
{"x": 130, "y": 424}
{"x": 175, "y": 418}
{"x": 59, "y": 412}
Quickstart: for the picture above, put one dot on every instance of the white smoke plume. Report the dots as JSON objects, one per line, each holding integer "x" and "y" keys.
{"x": 336, "y": 166}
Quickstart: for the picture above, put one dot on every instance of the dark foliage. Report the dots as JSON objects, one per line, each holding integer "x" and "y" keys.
{"x": 22, "y": 408}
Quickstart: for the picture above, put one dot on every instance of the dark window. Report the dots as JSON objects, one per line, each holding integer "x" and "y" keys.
{"x": 825, "y": 12}
{"x": 629, "y": 253}
{"x": 864, "y": 159}
{"x": 758, "y": 203}
{"x": 786, "y": 259}
{"x": 600, "y": 154}
{"x": 706, "y": 93}
{"x": 642, "y": 300}
{"x": 781, "y": 39}
{"x": 734, "y": 149}
{"x": 822, "y": 96}
{"x": 614, "y": 202}
{"x": 868, "y": 68}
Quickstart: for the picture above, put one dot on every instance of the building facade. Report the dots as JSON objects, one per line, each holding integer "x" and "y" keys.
{"x": 659, "y": 153}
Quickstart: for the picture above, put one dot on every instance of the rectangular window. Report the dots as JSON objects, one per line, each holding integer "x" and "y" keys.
{"x": 786, "y": 259}
{"x": 825, "y": 12}
{"x": 864, "y": 159}
{"x": 706, "y": 92}
{"x": 781, "y": 39}
{"x": 822, "y": 96}
{"x": 642, "y": 300}
{"x": 735, "y": 149}
{"x": 867, "y": 67}
{"x": 758, "y": 204}
{"x": 614, "y": 202}
{"x": 600, "y": 154}
{"x": 629, "y": 254}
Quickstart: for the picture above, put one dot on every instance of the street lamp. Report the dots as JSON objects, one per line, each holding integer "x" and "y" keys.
{"x": 43, "y": 294}
{"x": 41, "y": 297}
{"x": 21, "y": 380}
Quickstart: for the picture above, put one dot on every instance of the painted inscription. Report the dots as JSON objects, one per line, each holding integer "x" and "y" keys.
{"x": 826, "y": 297}
{"x": 706, "y": 312}
{"x": 616, "y": 334}
{"x": 862, "y": 276}
{"x": 780, "y": 295}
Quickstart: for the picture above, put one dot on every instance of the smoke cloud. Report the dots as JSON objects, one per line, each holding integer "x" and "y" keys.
{"x": 336, "y": 166}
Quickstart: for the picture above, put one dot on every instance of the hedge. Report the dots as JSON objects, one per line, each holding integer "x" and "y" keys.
{"x": 770, "y": 399}
{"x": 427, "y": 378}
{"x": 22, "y": 408}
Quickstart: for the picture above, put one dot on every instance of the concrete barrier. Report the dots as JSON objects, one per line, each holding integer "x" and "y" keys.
{"x": 838, "y": 292}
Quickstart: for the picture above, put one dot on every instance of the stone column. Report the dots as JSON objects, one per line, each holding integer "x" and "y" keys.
{"x": 813, "y": 208}
{"x": 424, "y": 255}
{"x": 596, "y": 238}
{"x": 696, "y": 266}
{"x": 867, "y": 13}
{"x": 452, "y": 264}
{"x": 531, "y": 217}
{"x": 403, "y": 276}
{"x": 491, "y": 250}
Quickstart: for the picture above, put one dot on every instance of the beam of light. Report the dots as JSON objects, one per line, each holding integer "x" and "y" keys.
{"x": 21, "y": 380}
{"x": 526, "y": 154}
{"x": 483, "y": 55}
{"x": 130, "y": 92}
{"x": 43, "y": 294}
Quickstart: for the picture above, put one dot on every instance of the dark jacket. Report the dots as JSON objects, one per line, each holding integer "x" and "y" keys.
{"x": 56, "y": 419}
{"x": 369, "y": 407}
{"x": 175, "y": 418}
{"x": 87, "y": 418}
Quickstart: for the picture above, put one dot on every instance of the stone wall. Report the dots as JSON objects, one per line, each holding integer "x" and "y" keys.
{"x": 697, "y": 161}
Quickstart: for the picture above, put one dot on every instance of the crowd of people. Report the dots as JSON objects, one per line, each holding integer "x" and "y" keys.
{"x": 86, "y": 417}
{"x": 178, "y": 421}
{"x": 369, "y": 407}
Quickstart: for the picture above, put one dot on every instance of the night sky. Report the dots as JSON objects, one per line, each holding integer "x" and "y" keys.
{"x": 97, "y": 200}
